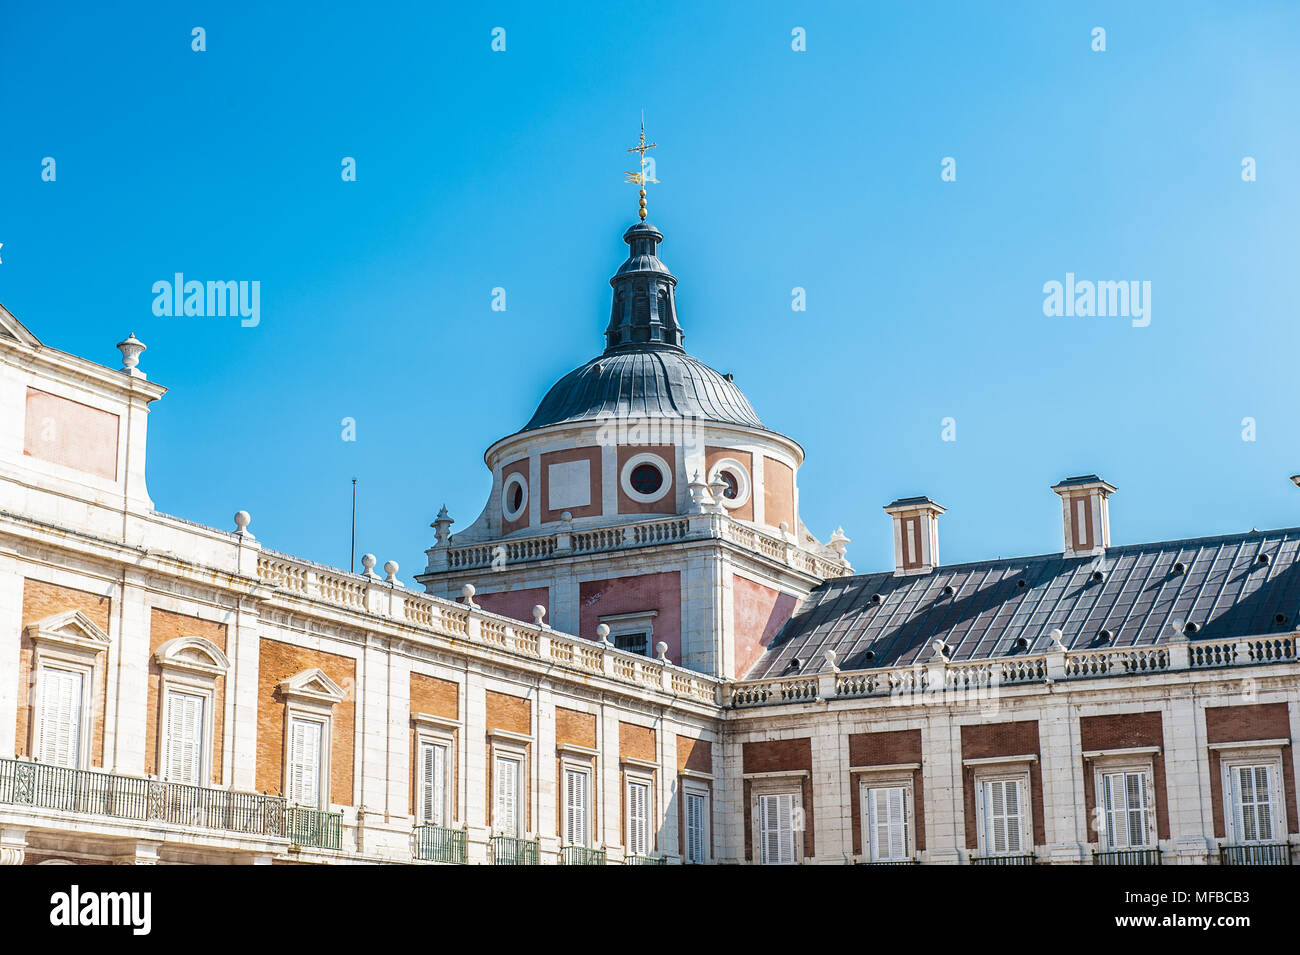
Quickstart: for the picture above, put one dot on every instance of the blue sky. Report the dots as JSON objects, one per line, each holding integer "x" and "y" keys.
{"x": 817, "y": 169}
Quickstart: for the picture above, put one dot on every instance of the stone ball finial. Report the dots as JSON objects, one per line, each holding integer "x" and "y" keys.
{"x": 661, "y": 651}
{"x": 602, "y": 632}
{"x": 390, "y": 569}
{"x": 539, "y": 613}
{"x": 368, "y": 562}
{"x": 468, "y": 592}
{"x": 242, "y": 520}
{"x": 831, "y": 657}
{"x": 566, "y": 516}
{"x": 1058, "y": 639}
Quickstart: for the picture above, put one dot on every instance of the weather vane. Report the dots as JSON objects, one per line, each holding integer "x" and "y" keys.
{"x": 641, "y": 178}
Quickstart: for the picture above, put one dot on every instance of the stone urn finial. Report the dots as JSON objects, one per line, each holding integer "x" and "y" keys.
{"x": 131, "y": 347}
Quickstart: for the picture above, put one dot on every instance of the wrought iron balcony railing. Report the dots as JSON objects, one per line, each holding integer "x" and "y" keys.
{"x": 507, "y": 850}
{"x": 89, "y": 792}
{"x": 581, "y": 855}
{"x": 1127, "y": 857}
{"x": 645, "y": 860}
{"x": 314, "y": 828}
{"x": 1002, "y": 860}
{"x": 1257, "y": 853}
{"x": 439, "y": 844}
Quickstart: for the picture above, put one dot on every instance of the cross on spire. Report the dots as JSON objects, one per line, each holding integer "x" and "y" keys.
{"x": 641, "y": 178}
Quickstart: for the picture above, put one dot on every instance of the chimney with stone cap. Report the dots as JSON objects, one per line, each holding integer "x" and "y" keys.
{"x": 916, "y": 535}
{"x": 1086, "y": 514}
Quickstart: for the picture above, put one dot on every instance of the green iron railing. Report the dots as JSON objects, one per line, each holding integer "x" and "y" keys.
{"x": 1127, "y": 857}
{"x": 507, "y": 850}
{"x": 645, "y": 860}
{"x": 1259, "y": 853}
{"x": 439, "y": 844}
{"x": 314, "y": 828}
{"x": 42, "y": 786}
{"x": 1002, "y": 860}
{"x": 581, "y": 855}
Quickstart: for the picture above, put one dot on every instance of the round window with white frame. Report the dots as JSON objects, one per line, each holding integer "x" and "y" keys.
{"x": 646, "y": 478}
{"x": 514, "y": 497}
{"x": 735, "y": 482}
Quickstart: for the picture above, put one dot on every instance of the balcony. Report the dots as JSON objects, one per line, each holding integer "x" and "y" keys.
{"x": 1002, "y": 860}
{"x": 1127, "y": 857}
{"x": 645, "y": 860}
{"x": 507, "y": 850}
{"x": 439, "y": 844}
{"x": 132, "y": 798}
{"x": 314, "y": 828}
{"x": 1258, "y": 853}
{"x": 581, "y": 855}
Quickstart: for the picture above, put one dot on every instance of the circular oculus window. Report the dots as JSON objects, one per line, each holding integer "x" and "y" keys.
{"x": 646, "y": 478}
{"x": 514, "y": 497}
{"x": 735, "y": 481}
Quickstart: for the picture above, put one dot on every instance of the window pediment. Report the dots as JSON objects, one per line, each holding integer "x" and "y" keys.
{"x": 193, "y": 655}
{"x": 311, "y": 686}
{"x": 69, "y": 629}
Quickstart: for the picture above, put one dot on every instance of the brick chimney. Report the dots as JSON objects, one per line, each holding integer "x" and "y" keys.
{"x": 916, "y": 535}
{"x": 1086, "y": 514}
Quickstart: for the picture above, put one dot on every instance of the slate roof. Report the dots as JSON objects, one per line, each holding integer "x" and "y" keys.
{"x": 650, "y": 381}
{"x": 1223, "y": 588}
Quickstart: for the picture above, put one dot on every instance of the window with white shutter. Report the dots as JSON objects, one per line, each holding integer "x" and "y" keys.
{"x": 62, "y": 699}
{"x": 776, "y": 833}
{"x": 433, "y": 783}
{"x": 638, "y": 818}
{"x": 1126, "y": 810}
{"x": 577, "y": 828}
{"x": 887, "y": 824}
{"x": 697, "y": 828}
{"x": 1003, "y": 816}
{"x": 506, "y": 776}
{"x": 1252, "y": 801}
{"x": 183, "y": 747}
{"x": 305, "y": 740}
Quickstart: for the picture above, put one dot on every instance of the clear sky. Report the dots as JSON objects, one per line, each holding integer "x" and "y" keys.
{"x": 818, "y": 169}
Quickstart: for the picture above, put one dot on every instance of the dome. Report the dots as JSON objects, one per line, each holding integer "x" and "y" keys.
{"x": 647, "y": 381}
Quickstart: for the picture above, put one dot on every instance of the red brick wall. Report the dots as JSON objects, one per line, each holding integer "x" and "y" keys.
{"x": 515, "y": 604}
{"x": 886, "y": 749}
{"x": 1124, "y": 731}
{"x": 986, "y": 740}
{"x": 1241, "y": 724}
{"x": 780, "y": 755}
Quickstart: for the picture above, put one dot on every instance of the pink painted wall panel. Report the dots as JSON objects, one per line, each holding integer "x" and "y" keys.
{"x": 760, "y": 612}
{"x": 661, "y": 592}
{"x": 516, "y": 604}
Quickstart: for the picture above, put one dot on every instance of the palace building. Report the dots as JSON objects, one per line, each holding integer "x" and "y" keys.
{"x": 636, "y": 654}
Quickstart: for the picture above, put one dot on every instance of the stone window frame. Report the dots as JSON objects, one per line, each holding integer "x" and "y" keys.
{"x": 189, "y": 664}
{"x": 578, "y": 760}
{"x": 436, "y": 731}
{"x": 697, "y": 785}
{"x": 900, "y": 776}
{"x": 994, "y": 770}
{"x": 744, "y": 483}
{"x": 513, "y": 746}
{"x": 780, "y": 783}
{"x": 1135, "y": 760}
{"x": 635, "y": 461}
{"x": 311, "y": 696}
{"x": 68, "y": 641}
{"x": 623, "y": 624}
{"x": 1254, "y": 753}
{"x": 512, "y": 479}
{"x": 641, "y": 773}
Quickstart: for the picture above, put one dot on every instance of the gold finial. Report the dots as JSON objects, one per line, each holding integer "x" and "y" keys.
{"x": 641, "y": 178}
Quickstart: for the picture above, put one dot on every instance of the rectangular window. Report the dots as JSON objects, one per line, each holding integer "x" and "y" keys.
{"x": 183, "y": 748}
{"x": 433, "y": 784}
{"x": 506, "y": 777}
{"x": 1003, "y": 808}
{"x": 776, "y": 831}
{"x": 305, "y": 740}
{"x": 631, "y": 642}
{"x": 697, "y": 828}
{"x": 62, "y": 699}
{"x": 577, "y": 828}
{"x": 887, "y": 824}
{"x": 1126, "y": 812}
{"x": 1252, "y": 802}
{"x": 638, "y": 818}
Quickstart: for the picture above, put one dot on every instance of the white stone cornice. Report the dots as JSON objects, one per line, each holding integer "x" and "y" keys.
{"x": 71, "y": 629}
{"x": 311, "y": 686}
{"x": 192, "y": 654}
